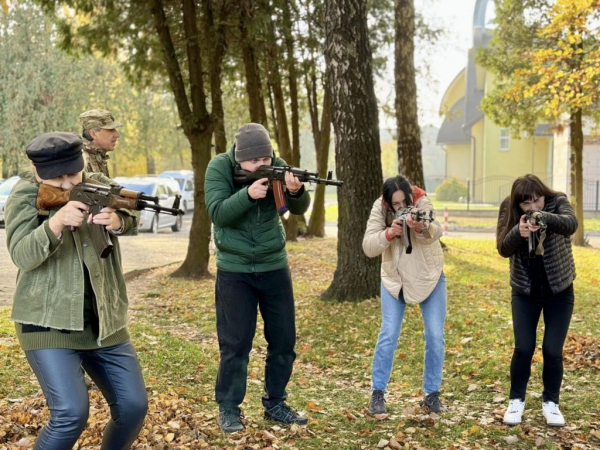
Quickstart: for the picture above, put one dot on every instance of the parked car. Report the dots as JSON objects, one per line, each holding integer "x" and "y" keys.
{"x": 185, "y": 178}
{"x": 165, "y": 189}
{"x": 5, "y": 189}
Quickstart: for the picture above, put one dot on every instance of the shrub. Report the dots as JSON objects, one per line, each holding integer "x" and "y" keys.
{"x": 451, "y": 190}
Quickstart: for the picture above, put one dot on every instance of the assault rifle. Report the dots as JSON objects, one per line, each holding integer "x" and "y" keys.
{"x": 417, "y": 215}
{"x": 536, "y": 238}
{"x": 276, "y": 176}
{"x": 97, "y": 196}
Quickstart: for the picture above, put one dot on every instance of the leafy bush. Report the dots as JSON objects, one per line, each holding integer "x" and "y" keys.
{"x": 451, "y": 190}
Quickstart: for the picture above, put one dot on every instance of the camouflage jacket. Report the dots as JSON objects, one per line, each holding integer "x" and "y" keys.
{"x": 95, "y": 158}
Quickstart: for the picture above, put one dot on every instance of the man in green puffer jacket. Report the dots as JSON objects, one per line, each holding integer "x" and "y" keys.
{"x": 252, "y": 272}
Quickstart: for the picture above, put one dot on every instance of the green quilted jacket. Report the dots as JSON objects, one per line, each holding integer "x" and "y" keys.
{"x": 50, "y": 283}
{"x": 248, "y": 234}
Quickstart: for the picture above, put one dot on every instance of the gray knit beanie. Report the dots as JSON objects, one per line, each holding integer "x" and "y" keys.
{"x": 252, "y": 141}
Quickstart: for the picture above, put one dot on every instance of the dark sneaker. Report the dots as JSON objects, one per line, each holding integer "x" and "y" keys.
{"x": 432, "y": 403}
{"x": 285, "y": 414}
{"x": 230, "y": 421}
{"x": 377, "y": 404}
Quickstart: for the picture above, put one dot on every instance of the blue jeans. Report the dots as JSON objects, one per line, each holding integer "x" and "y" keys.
{"x": 433, "y": 309}
{"x": 116, "y": 372}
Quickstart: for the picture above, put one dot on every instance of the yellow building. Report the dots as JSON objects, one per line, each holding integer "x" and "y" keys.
{"x": 479, "y": 152}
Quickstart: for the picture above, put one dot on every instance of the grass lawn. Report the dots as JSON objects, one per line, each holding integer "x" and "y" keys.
{"x": 173, "y": 329}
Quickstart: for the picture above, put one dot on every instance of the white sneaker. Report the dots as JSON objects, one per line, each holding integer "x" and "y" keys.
{"x": 554, "y": 417}
{"x": 514, "y": 412}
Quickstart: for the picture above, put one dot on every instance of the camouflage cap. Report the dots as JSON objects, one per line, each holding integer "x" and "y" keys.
{"x": 98, "y": 118}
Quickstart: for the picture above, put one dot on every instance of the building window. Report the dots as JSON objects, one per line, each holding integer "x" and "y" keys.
{"x": 504, "y": 139}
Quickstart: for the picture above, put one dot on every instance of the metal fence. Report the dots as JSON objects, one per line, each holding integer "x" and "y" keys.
{"x": 488, "y": 192}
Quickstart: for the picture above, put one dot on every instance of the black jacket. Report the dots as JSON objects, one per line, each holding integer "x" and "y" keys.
{"x": 558, "y": 256}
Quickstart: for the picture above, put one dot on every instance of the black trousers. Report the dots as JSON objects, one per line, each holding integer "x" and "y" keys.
{"x": 237, "y": 296}
{"x": 526, "y": 311}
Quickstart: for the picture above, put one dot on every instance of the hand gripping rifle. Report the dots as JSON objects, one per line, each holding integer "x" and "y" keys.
{"x": 418, "y": 216}
{"x": 276, "y": 176}
{"x": 98, "y": 196}
{"x": 536, "y": 238}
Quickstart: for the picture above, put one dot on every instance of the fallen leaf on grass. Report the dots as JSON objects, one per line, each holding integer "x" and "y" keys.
{"x": 394, "y": 444}
{"x": 24, "y": 443}
{"x": 511, "y": 439}
{"x": 312, "y": 406}
{"x": 174, "y": 424}
{"x": 383, "y": 443}
{"x": 350, "y": 416}
{"x": 408, "y": 412}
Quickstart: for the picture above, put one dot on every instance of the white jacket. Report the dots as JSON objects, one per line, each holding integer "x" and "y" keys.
{"x": 416, "y": 273}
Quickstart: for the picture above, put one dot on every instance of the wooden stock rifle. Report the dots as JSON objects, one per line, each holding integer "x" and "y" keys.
{"x": 276, "y": 177}
{"x": 97, "y": 196}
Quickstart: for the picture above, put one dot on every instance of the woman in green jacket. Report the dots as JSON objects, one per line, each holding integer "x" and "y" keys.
{"x": 70, "y": 305}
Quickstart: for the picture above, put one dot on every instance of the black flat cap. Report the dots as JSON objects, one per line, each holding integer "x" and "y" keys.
{"x": 55, "y": 154}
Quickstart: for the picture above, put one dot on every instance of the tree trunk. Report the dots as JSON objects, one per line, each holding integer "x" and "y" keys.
{"x": 294, "y": 222}
{"x": 195, "y": 264}
{"x": 316, "y": 226}
{"x": 292, "y": 83}
{"x": 285, "y": 146}
{"x": 254, "y": 90}
{"x": 357, "y": 147}
{"x": 197, "y": 126}
{"x": 410, "y": 161}
{"x": 150, "y": 165}
{"x": 576, "y": 137}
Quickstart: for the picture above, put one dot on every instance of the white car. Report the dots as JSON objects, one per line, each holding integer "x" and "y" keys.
{"x": 5, "y": 189}
{"x": 163, "y": 188}
{"x": 185, "y": 178}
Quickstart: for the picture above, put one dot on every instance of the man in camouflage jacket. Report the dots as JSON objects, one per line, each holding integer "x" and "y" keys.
{"x": 100, "y": 137}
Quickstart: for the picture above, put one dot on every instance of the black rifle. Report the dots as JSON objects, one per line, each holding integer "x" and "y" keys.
{"x": 536, "y": 238}
{"x": 276, "y": 177}
{"x": 418, "y": 215}
{"x": 97, "y": 196}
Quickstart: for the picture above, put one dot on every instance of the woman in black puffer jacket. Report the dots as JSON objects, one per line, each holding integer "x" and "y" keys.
{"x": 541, "y": 281}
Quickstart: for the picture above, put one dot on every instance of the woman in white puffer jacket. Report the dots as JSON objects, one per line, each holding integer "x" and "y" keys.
{"x": 414, "y": 277}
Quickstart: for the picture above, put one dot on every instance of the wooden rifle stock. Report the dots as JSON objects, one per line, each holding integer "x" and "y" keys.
{"x": 279, "y": 194}
{"x": 97, "y": 196}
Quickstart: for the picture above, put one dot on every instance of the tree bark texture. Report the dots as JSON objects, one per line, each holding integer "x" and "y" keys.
{"x": 217, "y": 45}
{"x": 576, "y": 138}
{"x": 357, "y": 148}
{"x": 410, "y": 161}
{"x": 292, "y": 82}
{"x": 321, "y": 134}
{"x": 254, "y": 90}
{"x": 197, "y": 126}
{"x": 282, "y": 130}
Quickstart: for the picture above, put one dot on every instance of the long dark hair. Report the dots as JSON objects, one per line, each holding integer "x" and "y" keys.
{"x": 527, "y": 187}
{"x": 397, "y": 183}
